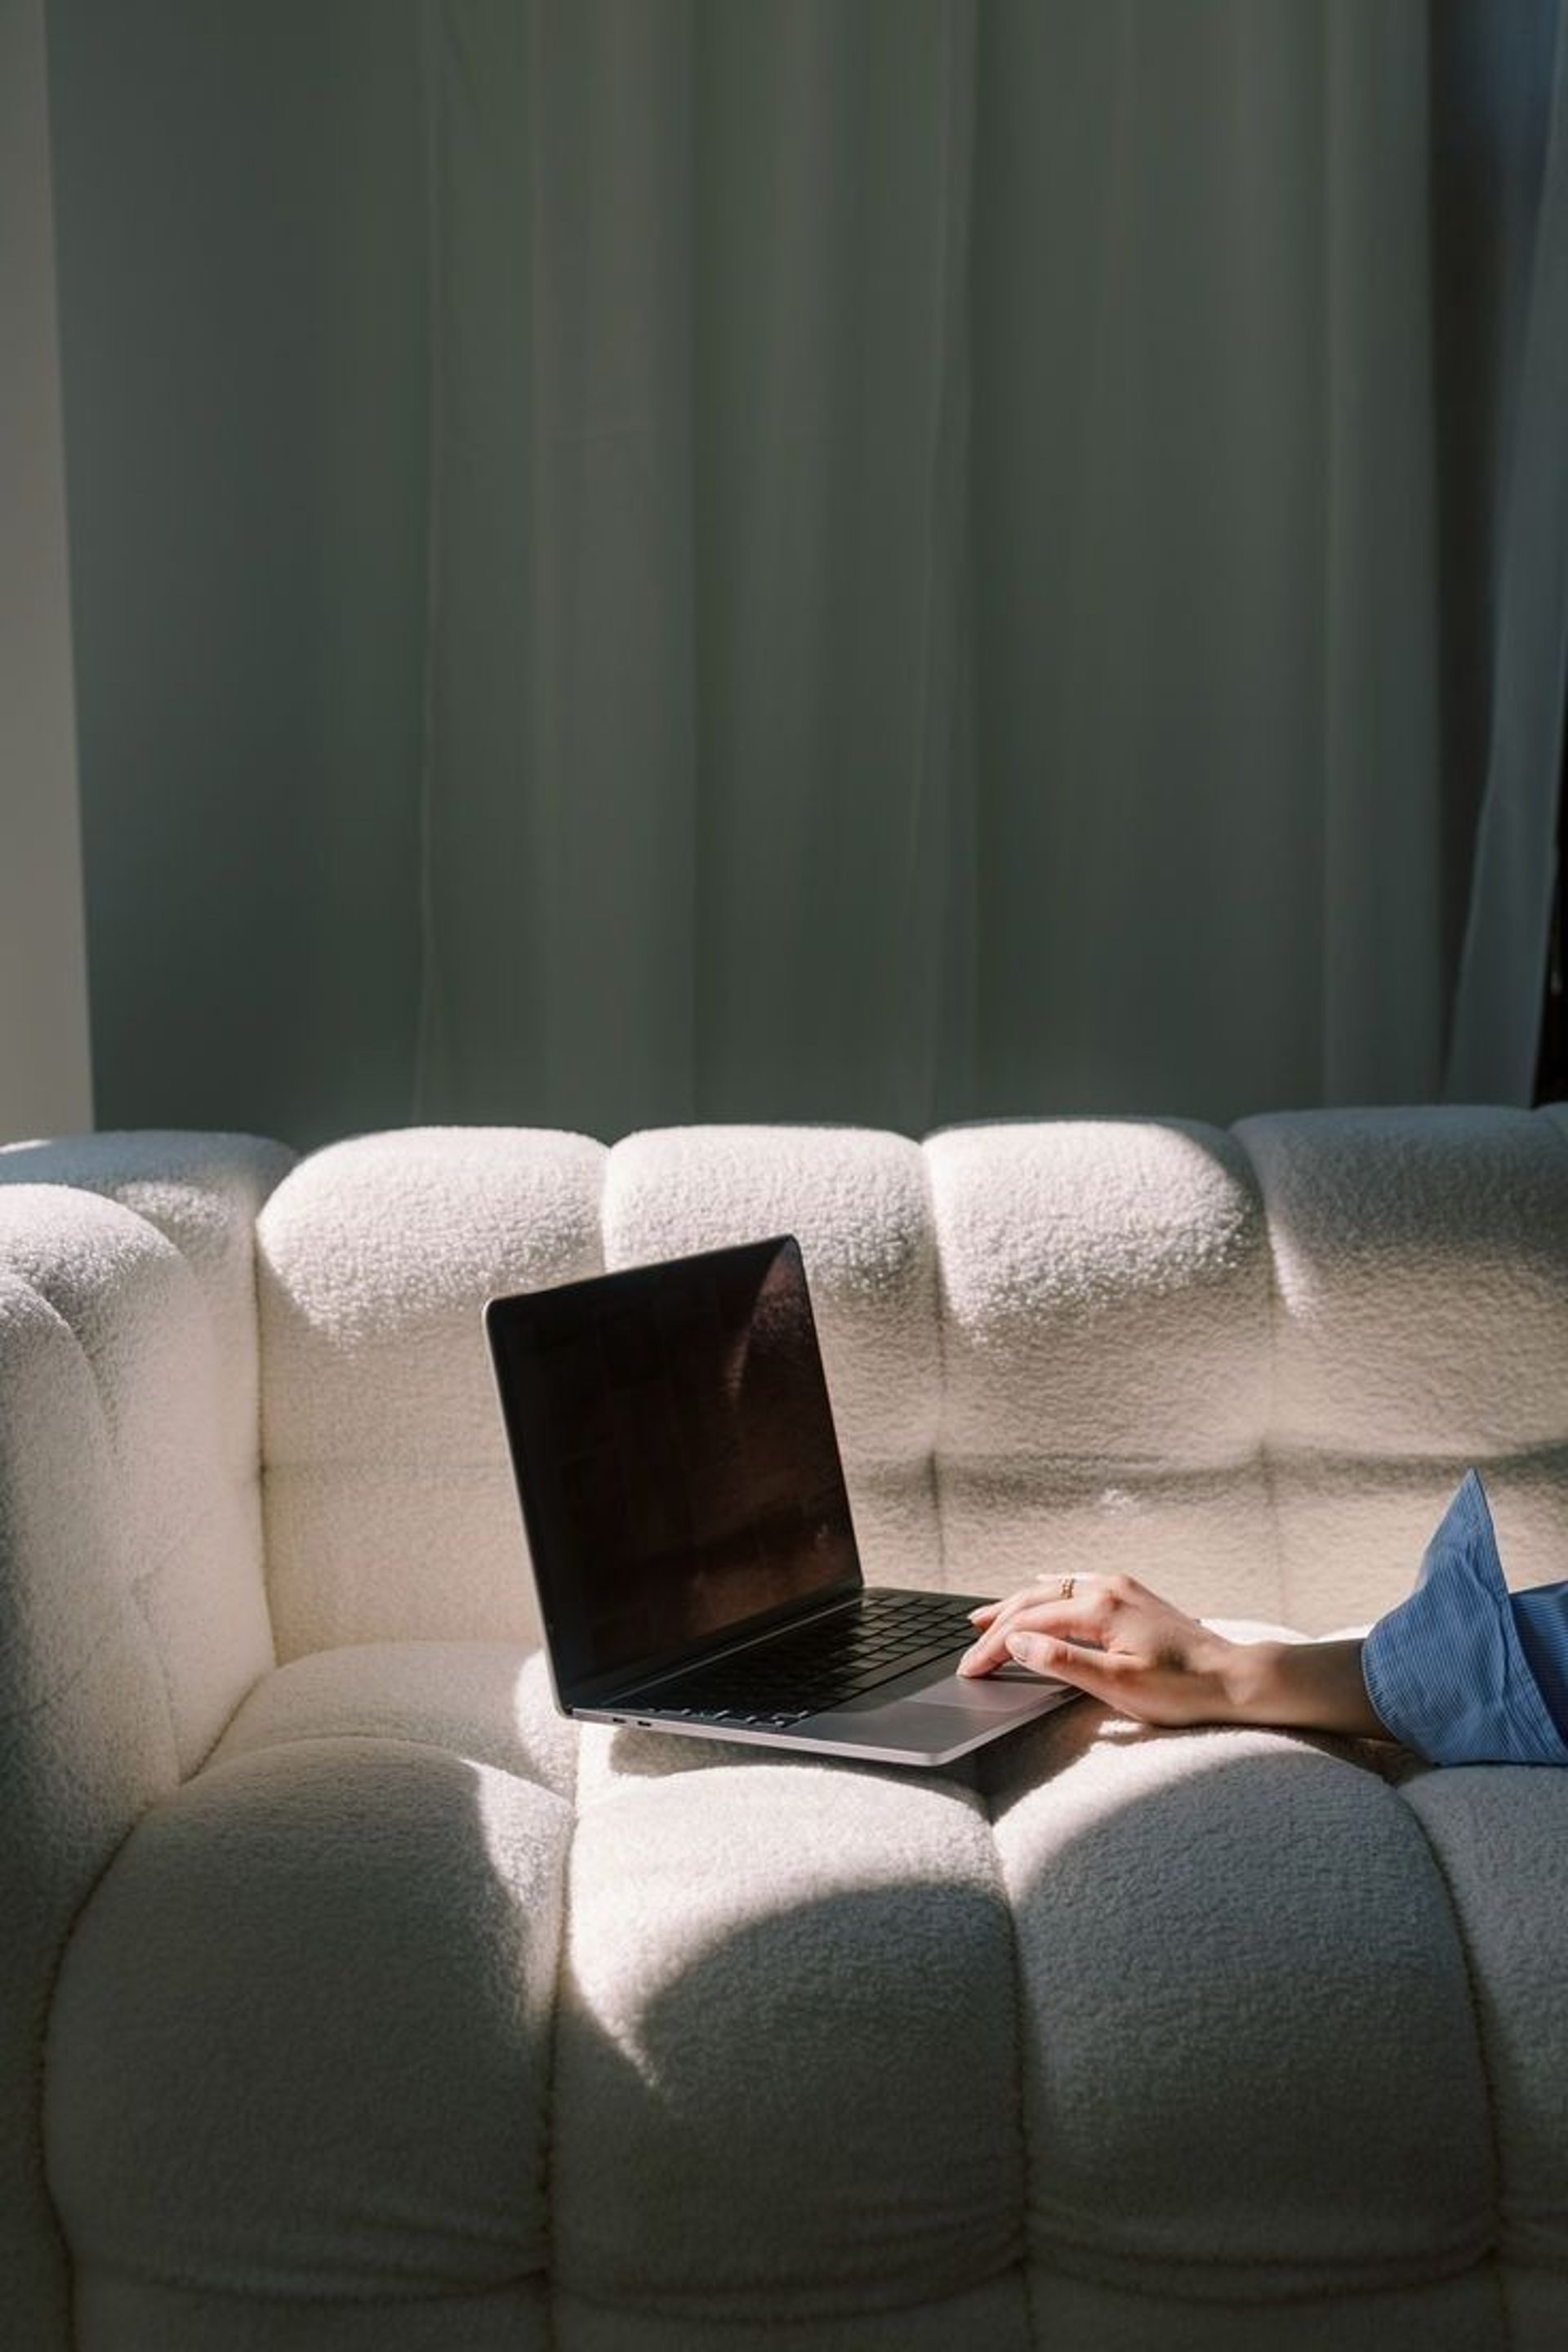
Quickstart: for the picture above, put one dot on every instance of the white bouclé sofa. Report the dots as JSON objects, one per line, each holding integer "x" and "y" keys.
{"x": 352, "y": 2001}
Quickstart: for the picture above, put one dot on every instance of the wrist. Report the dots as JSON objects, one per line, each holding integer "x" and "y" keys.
{"x": 1304, "y": 1686}
{"x": 1255, "y": 1688}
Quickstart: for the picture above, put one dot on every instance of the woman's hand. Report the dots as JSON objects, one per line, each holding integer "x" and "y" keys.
{"x": 1147, "y": 1659}
{"x": 1110, "y": 1636}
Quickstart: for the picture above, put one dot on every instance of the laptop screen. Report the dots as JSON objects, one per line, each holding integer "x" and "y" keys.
{"x": 675, "y": 1455}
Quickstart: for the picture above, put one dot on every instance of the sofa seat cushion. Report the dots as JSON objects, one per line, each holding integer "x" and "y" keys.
{"x": 1252, "y": 2065}
{"x": 298, "y": 2082}
{"x": 488, "y": 1701}
{"x": 415, "y": 1994}
{"x": 1500, "y": 1840}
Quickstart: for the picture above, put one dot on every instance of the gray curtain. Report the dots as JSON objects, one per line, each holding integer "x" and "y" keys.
{"x": 933, "y": 581}
{"x": 1517, "y": 73}
{"x": 871, "y": 559}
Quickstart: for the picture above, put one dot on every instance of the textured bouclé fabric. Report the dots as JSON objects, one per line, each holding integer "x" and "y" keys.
{"x": 354, "y": 2001}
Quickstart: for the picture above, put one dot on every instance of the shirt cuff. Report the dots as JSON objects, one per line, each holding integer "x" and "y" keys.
{"x": 1445, "y": 1670}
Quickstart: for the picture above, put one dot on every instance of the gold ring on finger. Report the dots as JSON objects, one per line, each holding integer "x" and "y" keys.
{"x": 1068, "y": 1583}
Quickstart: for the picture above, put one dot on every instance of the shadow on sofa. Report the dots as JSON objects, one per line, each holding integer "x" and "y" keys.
{"x": 1108, "y": 2015}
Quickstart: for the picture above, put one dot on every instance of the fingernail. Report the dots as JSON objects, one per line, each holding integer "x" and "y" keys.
{"x": 1023, "y": 1647}
{"x": 966, "y": 1663}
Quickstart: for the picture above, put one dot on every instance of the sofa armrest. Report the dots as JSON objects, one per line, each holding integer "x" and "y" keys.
{"x": 133, "y": 1606}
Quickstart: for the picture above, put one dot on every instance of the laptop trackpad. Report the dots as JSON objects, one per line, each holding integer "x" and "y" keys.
{"x": 980, "y": 1696}
{"x": 989, "y": 1695}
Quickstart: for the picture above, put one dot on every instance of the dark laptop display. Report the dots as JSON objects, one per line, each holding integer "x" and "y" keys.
{"x": 678, "y": 1463}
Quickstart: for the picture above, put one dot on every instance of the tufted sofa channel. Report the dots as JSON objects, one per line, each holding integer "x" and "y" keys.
{"x": 352, "y": 2001}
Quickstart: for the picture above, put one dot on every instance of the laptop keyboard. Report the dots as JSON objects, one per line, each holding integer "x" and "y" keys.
{"x": 797, "y": 1675}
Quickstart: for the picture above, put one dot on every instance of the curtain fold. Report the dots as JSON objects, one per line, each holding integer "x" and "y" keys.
{"x": 559, "y": 770}
{"x": 695, "y": 745}
{"x": 1205, "y": 650}
{"x": 1498, "y": 1008}
{"x": 1383, "y": 982}
{"x": 938, "y": 536}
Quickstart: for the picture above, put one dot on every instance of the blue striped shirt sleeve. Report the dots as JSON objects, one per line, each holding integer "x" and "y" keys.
{"x": 1463, "y": 1672}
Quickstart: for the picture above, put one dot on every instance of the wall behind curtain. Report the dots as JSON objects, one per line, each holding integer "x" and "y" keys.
{"x": 45, "y": 1078}
{"x": 240, "y": 209}
{"x": 640, "y": 559}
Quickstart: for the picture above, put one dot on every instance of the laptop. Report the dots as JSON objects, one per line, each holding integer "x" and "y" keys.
{"x": 689, "y": 1532}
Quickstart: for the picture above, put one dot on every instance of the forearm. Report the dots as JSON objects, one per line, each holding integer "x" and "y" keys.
{"x": 1303, "y": 1687}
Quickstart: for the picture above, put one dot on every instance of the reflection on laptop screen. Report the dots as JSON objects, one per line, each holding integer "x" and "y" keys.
{"x": 675, "y": 1454}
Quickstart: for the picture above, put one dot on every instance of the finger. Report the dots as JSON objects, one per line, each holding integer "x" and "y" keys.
{"x": 989, "y": 1650}
{"x": 1081, "y": 1618}
{"x": 1044, "y": 1589}
{"x": 1053, "y": 1612}
{"x": 1089, "y": 1671}
{"x": 1038, "y": 1652}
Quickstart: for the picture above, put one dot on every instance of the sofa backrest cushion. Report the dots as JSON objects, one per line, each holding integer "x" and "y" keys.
{"x": 1249, "y": 1365}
